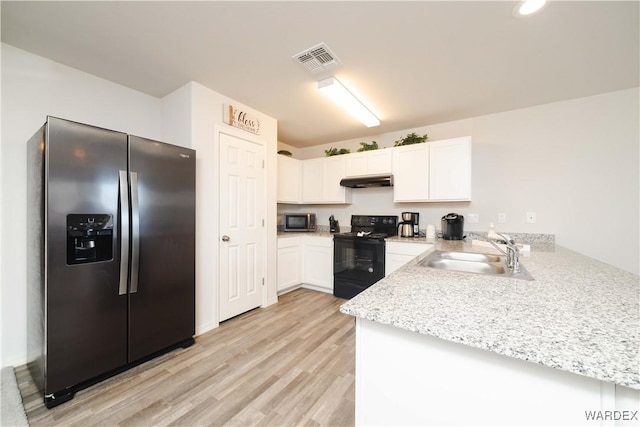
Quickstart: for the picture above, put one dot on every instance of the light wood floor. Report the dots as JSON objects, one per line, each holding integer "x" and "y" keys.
{"x": 292, "y": 363}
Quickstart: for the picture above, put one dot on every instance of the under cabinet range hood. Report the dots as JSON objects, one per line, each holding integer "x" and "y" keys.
{"x": 366, "y": 181}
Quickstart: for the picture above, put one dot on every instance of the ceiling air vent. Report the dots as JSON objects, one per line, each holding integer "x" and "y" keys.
{"x": 318, "y": 58}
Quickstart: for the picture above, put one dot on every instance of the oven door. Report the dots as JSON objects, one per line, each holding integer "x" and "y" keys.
{"x": 357, "y": 264}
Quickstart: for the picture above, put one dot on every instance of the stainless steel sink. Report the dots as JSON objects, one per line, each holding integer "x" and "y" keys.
{"x": 469, "y": 256}
{"x": 466, "y": 266}
{"x": 472, "y": 262}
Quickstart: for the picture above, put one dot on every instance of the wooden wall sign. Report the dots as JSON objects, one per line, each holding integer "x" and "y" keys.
{"x": 241, "y": 119}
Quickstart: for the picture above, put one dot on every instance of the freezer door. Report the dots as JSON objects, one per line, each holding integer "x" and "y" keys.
{"x": 162, "y": 292}
{"x": 86, "y": 329}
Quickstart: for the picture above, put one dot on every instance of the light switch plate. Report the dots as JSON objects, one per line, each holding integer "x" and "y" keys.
{"x": 502, "y": 218}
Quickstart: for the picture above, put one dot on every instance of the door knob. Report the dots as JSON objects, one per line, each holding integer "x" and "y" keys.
{"x": 225, "y": 238}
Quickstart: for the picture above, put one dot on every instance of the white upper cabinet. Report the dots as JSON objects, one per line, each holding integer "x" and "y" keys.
{"x": 356, "y": 164}
{"x": 379, "y": 161}
{"x": 369, "y": 162}
{"x": 433, "y": 171}
{"x": 321, "y": 180}
{"x": 312, "y": 180}
{"x": 411, "y": 173}
{"x": 289, "y": 180}
{"x": 333, "y": 172}
{"x": 450, "y": 169}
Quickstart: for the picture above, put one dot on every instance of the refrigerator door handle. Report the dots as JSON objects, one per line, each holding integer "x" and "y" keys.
{"x": 124, "y": 233}
{"x": 135, "y": 233}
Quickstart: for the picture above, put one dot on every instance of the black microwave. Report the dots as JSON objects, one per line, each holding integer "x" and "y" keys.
{"x": 299, "y": 221}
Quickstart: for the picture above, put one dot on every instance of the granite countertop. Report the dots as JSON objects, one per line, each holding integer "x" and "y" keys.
{"x": 304, "y": 233}
{"x": 322, "y": 233}
{"x": 578, "y": 315}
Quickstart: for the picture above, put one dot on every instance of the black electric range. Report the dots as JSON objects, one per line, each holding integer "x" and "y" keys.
{"x": 358, "y": 256}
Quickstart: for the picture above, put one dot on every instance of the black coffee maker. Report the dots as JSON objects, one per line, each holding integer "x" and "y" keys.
{"x": 453, "y": 227}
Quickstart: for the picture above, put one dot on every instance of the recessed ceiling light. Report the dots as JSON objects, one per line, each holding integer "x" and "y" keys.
{"x": 528, "y": 8}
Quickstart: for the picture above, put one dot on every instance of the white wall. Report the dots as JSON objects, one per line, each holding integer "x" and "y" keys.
{"x": 575, "y": 163}
{"x": 295, "y": 151}
{"x": 201, "y": 130}
{"x": 34, "y": 87}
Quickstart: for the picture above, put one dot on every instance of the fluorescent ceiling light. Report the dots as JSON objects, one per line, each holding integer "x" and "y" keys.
{"x": 528, "y": 7}
{"x": 335, "y": 91}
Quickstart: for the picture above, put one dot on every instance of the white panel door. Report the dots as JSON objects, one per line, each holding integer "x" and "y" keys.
{"x": 242, "y": 204}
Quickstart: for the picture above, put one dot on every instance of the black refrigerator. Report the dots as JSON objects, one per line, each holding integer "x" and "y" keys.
{"x": 111, "y": 258}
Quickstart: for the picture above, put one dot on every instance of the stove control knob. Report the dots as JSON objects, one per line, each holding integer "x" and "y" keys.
{"x": 370, "y": 269}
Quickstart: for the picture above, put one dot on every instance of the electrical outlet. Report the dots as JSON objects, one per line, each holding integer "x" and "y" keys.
{"x": 502, "y": 218}
{"x": 531, "y": 217}
{"x": 473, "y": 218}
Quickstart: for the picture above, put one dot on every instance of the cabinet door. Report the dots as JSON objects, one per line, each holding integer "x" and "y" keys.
{"x": 368, "y": 163}
{"x": 334, "y": 170}
{"x": 312, "y": 172}
{"x": 379, "y": 161}
{"x": 398, "y": 254}
{"x": 356, "y": 164}
{"x": 289, "y": 180}
{"x": 393, "y": 262}
{"x": 450, "y": 171}
{"x": 411, "y": 173}
{"x": 318, "y": 262}
{"x": 289, "y": 266}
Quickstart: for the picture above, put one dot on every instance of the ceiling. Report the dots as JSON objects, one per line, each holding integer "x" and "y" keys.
{"x": 417, "y": 63}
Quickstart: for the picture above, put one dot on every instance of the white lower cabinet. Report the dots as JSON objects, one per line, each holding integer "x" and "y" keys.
{"x": 317, "y": 263}
{"x": 398, "y": 254}
{"x": 289, "y": 262}
{"x": 407, "y": 378}
{"x": 305, "y": 261}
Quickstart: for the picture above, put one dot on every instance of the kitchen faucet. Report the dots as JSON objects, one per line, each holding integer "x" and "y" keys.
{"x": 513, "y": 253}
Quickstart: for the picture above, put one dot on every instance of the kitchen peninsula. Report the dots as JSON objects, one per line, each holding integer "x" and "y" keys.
{"x": 440, "y": 347}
